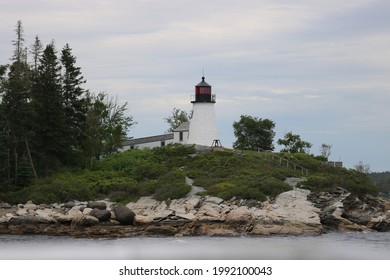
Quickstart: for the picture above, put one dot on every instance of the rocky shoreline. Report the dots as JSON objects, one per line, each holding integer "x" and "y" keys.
{"x": 295, "y": 212}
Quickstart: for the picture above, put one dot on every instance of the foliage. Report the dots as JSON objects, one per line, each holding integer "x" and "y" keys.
{"x": 228, "y": 175}
{"x": 350, "y": 180}
{"x": 48, "y": 121}
{"x": 362, "y": 167}
{"x": 325, "y": 150}
{"x": 294, "y": 144}
{"x": 381, "y": 180}
{"x": 177, "y": 118}
{"x": 106, "y": 126}
{"x": 253, "y": 133}
{"x": 161, "y": 172}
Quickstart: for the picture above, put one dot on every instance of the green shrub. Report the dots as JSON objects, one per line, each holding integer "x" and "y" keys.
{"x": 272, "y": 187}
{"x": 51, "y": 190}
{"x": 228, "y": 190}
{"x": 171, "y": 185}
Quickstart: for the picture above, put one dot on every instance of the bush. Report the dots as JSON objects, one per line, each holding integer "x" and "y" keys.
{"x": 272, "y": 187}
{"x": 228, "y": 190}
{"x": 350, "y": 180}
{"x": 51, "y": 190}
{"x": 171, "y": 186}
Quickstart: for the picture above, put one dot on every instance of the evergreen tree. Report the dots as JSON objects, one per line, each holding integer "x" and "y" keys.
{"x": 36, "y": 52}
{"x": 74, "y": 99}
{"x": 5, "y": 175}
{"x": 17, "y": 107}
{"x": 50, "y": 124}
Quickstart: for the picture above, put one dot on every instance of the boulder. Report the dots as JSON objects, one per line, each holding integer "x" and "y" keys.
{"x": 30, "y": 206}
{"x": 29, "y": 220}
{"x": 81, "y": 220}
{"x": 148, "y": 206}
{"x": 69, "y": 204}
{"x": 97, "y": 204}
{"x": 213, "y": 200}
{"x": 124, "y": 215}
{"x": 5, "y": 205}
{"x": 102, "y": 215}
{"x": 142, "y": 220}
{"x": 87, "y": 211}
{"x": 46, "y": 214}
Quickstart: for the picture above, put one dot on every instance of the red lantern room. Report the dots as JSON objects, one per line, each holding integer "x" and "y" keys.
{"x": 203, "y": 93}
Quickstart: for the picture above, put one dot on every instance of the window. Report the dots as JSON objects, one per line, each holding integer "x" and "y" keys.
{"x": 162, "y": 143}
{"x": 181, "y": 136}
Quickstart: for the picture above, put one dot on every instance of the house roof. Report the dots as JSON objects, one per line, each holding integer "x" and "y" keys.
{"x": 149, "y": 139}
{"x": 185, "y": 126}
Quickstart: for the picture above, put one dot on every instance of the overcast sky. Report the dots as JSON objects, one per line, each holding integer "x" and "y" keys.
{"x": 318, "y": 68}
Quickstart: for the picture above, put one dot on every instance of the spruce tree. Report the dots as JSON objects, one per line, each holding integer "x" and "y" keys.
{"x": 74, "y": 99}
{"x": 36, "y": 52}
{"x": 17, "y": 107}
{"x": 50, "y": 123}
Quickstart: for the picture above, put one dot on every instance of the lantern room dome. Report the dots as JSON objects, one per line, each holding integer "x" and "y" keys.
{"x": 203, "y": 83}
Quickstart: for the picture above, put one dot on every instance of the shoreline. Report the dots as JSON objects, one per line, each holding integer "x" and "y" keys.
{"x": 296, "y": 212}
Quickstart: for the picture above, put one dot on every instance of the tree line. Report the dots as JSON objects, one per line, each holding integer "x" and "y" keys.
{"x": 254, "y": 133}
{"x": 47, "y": 119}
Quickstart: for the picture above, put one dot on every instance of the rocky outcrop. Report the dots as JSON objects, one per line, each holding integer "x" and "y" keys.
{"x": 292, "y": 213}
{"x": 343, "y": 211}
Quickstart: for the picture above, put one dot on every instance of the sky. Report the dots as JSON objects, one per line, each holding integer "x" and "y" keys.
{"x": 317, "y": 68}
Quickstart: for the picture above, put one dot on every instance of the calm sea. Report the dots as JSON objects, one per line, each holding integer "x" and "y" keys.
{"x": 331, "y": 246}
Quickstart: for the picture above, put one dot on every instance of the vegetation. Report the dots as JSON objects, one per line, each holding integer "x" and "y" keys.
{"x": 161, "y": 172}
{"x": 177, "y": 118}
{"x": 294, "y": 144}
{"x": 253, "y": 133}
{"x": 59, "y": 142}
{"x": 48, "y": 121}
{"x": 382, "y": 181}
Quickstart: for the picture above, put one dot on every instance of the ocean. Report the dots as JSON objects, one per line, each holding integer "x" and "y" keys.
{"x": 330, "y": 246}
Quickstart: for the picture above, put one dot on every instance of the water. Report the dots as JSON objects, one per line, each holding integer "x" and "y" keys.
{"x": 331, "y": 246}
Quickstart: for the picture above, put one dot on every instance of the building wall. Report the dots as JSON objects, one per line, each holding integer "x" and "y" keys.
{"x": 203, "y": 128}
{"x": 182, "y": 140}
{"x": 148, "y": 145}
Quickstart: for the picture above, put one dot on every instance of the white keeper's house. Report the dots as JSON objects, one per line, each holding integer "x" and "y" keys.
{"x": 200, "y": 130}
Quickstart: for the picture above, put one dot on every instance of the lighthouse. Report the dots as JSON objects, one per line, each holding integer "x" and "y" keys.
{"x": 202, "y": 128}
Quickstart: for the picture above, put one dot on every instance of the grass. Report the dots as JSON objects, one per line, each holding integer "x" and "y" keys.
{"x": 161, "y": 172}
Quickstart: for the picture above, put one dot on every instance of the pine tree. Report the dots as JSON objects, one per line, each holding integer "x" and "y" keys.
{"x": 50, "y": 123}
{"x": 36, "y": 52}
{"x": 17, "y": 107}
{"x": 74, "y": 99}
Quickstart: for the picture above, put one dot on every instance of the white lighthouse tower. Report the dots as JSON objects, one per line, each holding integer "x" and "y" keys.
{"x": 203, "y": 129}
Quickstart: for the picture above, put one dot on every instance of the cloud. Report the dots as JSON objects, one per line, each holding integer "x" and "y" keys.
{"x": 319, "y": 68}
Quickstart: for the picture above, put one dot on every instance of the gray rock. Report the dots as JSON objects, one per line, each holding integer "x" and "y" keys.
{"x": 97, "y": 204}
{"x": 214, "y": 200}
{"x": 29, "y": 220}
{"x": 69, "y": 204}
{"x": 81, "y": 220}
{"x": 102, "y": 215}
{"x": 5, "y": 205}
{"x": 124, "y": 215}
